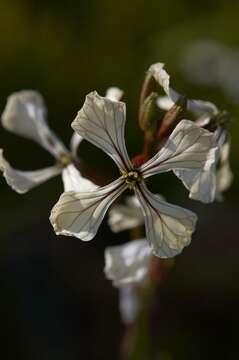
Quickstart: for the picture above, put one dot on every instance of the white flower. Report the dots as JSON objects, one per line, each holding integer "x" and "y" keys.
{"x": 209, "y": 182}
{"x": 127, "y": 264}
{"x": 199, "y": 107}
{"x": 168, "y": 227}
{"x": 25, "y": 115}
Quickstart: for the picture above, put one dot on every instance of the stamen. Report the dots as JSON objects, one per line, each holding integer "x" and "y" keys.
{"x": 132, "y": 177}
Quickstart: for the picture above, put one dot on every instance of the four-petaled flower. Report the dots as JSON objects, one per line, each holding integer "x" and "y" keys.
{"x": 208, "y": 183}
{"x": 168, "y": 227}
{"x": 25, "y": 115}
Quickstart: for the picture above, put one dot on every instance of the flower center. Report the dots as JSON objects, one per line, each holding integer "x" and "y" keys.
{"x": 65, "y": 160}
{"x": 132, "y": 177}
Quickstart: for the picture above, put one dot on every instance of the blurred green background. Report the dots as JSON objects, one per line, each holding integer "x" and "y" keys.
{"x": 55, "y": 302}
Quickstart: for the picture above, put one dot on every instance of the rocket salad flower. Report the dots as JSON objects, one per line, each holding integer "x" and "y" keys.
{"x": 168, "y": 227}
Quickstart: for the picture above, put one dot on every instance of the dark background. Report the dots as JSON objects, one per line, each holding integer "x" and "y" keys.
{"x": 55, "y": 301}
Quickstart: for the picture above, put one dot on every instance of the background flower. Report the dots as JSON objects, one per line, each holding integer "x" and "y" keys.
{"x": 25, "y": 115}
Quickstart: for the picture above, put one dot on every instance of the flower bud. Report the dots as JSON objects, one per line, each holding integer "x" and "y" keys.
{"x": 149, "y": 115}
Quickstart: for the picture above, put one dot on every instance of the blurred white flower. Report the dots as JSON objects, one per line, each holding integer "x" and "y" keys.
{"x": 171, "y": 96}
{"x": 209, "y": 182}
{"x": 168, "y": 227}
{"x": 200, "y": 61}
{"x": 127, "y": 264}
{"x": 25, "y": 115}
{"x": 201, "y": 183}
{"x": 211, "y": 63}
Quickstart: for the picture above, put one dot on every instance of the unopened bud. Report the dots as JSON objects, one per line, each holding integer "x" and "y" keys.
{"x": 149, "y": 115}
{"x": 149, "y": 86}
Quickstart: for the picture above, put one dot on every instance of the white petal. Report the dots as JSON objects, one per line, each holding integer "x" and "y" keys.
{"x": 23, "y": 181}
{"x": 225, "y": 150}
{"x": 168, "y": 227}
{"x": 129, "y": 304}
{"x": 80, "y": 214}
{"x": 201, "y": 184}
{"x": 198, "y": 107}
{"x": 160, "y": 75}
{"x": 128, "y": 263}
{"x": 224, "y": 178}
{"x": 102, "y": 121}
{"x": 25, "y": 114}
{"x": 74, "y": 143}
{"x": 188, "y": 147}
{"x": 74, "y": 181}
{"x": 114, "y": 93}
{"x": 203, "y": 120}
{"x": 125, "y": 216}
{"x": 208, "y": 183}
{"x": 166, "y": 102}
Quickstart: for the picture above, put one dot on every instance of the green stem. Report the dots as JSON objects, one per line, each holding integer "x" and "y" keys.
{"x": 141, "y": 345}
